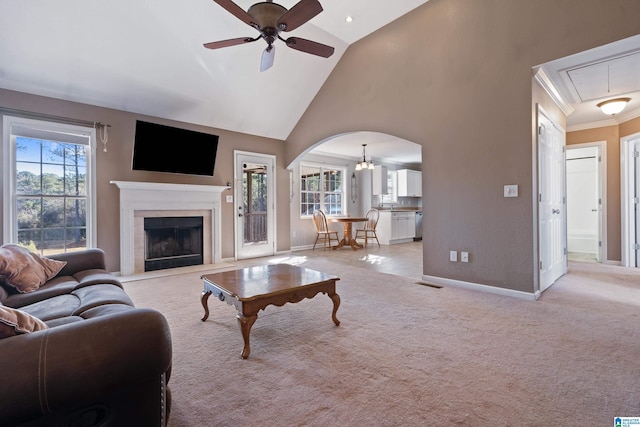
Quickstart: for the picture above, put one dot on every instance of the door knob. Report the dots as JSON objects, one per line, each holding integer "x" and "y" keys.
{"x": 239, "y": 214}
{"x": 555, "y": 211}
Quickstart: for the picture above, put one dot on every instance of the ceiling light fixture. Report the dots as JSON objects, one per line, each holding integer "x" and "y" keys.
{"x": 364, "y": 164}
{"x": 348, "y": 19}
{"x": 613, "y": 106}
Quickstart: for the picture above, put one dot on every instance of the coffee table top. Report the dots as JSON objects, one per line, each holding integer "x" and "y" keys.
{"x": 252, "y": 282}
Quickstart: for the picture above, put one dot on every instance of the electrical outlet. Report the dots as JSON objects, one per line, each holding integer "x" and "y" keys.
{"x": 464, "y": 256}
{"x": 229, "y": 199}
{"x": 453, "y": 256}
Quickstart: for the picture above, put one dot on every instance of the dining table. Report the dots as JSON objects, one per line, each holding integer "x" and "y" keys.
{"x": 347, "y": 236}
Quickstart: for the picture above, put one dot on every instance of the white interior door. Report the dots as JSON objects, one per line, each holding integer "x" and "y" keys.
{"x": 551, "y": 202}
{"x": 254, "y": 205}
{"x": 585, "y": 213}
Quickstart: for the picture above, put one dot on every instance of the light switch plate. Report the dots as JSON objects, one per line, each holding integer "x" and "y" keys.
{"x": 229, "y": 199}
{"x": 511, "y": 190}
{"x": 453, "y": 256}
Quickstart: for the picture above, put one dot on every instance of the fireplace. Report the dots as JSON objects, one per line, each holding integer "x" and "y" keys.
{"x": 172, "y": 242}
{"x": 141, "y": 200}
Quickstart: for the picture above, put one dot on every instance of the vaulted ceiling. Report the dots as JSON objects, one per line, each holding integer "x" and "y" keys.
{"x": 147, "y": 57}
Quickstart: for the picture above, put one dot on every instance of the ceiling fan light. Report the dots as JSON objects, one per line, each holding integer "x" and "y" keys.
{"x": 358, "y": 166}
{"x": 267, "y": 14}
{"x": 613, "y": 106}
{"x": 371, "y": 165}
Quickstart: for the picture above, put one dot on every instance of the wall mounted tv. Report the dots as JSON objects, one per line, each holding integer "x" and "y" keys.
{"x": 160, "y": 148}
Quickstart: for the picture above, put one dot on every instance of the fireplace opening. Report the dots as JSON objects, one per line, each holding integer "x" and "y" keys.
{"x": 172, "y": 242}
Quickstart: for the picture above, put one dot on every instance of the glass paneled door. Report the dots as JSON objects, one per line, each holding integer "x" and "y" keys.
{"x": 254, "y": 205}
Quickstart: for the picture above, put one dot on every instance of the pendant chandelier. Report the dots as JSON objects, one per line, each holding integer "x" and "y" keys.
{"x": 364, "y": 164}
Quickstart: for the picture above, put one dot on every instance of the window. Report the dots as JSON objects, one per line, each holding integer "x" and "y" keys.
{"x": 48, "y": 185}
{"x": 322, "y": 187}
{"x": 392, "y": 188}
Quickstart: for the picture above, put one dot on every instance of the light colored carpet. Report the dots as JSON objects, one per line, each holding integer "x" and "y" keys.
{"x": 408, "y": 355}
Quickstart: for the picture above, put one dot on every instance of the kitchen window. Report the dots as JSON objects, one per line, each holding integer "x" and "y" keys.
{"x": 48, "y": 185}
{"x": 392, "y": 188}
{"x": 322, "y": 187}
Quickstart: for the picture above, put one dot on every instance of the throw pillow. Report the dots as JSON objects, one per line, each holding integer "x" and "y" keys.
{"x": 14, "y": 322}
{"x": 26, "y": 271}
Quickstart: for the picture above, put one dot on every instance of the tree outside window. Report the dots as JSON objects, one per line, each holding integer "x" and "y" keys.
{"x": 51, "y": 196}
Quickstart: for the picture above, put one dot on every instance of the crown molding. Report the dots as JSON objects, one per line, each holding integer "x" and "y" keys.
{"x": 543, "y": 80}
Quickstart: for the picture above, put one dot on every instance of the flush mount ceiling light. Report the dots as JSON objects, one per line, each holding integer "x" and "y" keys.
{"x": 613, "y": 106}
{"x": 364, "y": 164}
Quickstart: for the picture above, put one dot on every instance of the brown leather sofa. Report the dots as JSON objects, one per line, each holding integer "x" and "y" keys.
{"x": 100, "y": 362}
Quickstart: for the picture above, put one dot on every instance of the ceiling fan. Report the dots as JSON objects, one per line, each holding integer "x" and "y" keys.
{"x": 270, "y": 19}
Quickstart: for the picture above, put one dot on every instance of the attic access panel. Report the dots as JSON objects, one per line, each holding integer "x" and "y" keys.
{"x": 609, "y": 78}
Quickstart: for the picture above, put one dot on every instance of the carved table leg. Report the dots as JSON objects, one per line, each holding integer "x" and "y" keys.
{"x": 205, "y": 298}
{"x": 246, "y": 322}
{"x": 336, "y": 303}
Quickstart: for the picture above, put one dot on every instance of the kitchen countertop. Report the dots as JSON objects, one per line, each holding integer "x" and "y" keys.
{"x": 402, "y": 209}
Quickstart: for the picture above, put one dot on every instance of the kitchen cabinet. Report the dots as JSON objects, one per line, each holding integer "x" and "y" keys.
{"x": 396, "y": 227}
{"x": 409, "y": 183}
{"x": 379, "y": 184}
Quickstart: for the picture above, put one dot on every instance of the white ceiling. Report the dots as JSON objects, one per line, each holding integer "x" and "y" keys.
{"x": 587, "y": 78}
{"x": 146, "y": 57}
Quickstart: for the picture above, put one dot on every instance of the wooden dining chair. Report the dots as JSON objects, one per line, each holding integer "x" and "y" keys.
{"x": 320, "y": 221}
{"x": 369, "y": 229}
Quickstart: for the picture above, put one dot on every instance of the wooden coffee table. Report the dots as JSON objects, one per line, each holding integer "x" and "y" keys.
{"x": 254, "y": 288}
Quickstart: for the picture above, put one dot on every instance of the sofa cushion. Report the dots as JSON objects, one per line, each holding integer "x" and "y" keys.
{"x": 53, "y": 308}
{"x": 24, "y": 270}
{"x": 14, "y": 322}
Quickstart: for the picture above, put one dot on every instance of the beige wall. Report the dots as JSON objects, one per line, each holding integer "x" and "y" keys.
{"x": 455, "y": 77}
{"x": 115, "y": 164}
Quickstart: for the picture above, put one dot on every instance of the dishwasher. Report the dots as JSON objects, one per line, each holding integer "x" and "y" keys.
{"x": 418, "y": 235}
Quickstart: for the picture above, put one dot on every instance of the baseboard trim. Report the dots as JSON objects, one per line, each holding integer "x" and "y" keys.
{"x": 443, "y": 281}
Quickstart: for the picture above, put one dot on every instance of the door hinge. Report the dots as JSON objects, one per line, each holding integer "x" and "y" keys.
{"x": 636, "y": 154}
{"x": 540, "y": 265}
{"x": 540, "y": 197}
{"x": 636, "y": 200}
{"x": 636, "y": 246}
{"x": 600, "y": 243}
{"x": 539, "y": 129}
{"x": 565, "y": 251}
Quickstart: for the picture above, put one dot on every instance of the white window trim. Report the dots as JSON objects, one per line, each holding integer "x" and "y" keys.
{"x": 323, "y": 166}
{"x": 9, "y": 230}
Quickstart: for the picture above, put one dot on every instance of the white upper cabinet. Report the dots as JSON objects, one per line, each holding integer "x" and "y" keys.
{"x": 409, "y": 183}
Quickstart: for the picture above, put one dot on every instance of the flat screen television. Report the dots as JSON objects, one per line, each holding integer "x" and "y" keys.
{"x": 160, "y": 148}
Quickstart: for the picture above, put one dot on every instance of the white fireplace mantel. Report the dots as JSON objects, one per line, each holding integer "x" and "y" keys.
{"x": 152, "y": 196}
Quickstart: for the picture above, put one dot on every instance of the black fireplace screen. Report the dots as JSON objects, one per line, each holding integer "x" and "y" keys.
{"x": 172, "y": 242}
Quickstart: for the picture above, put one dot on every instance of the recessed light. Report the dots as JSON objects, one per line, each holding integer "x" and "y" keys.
{"x": 348, "y": 19}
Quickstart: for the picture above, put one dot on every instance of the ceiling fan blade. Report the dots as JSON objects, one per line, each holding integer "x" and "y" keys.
{"x": 309, "y": 46}
{"x": 300, "y": 13}
{"x": 236, "y": 11}
{"x": 230, "y": 42}
{"x": 267, "y": 58}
